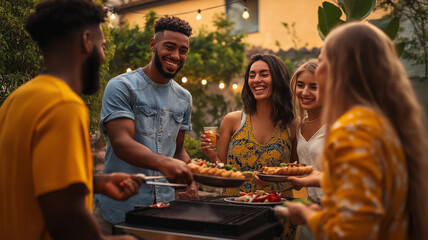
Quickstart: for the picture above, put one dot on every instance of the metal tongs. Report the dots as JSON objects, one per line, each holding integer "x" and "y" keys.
{"x": 145, "y": 178}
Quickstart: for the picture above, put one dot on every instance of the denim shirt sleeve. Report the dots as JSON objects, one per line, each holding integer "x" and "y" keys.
{"x": 116, "y": 102}
{"x": 186, "y": 124}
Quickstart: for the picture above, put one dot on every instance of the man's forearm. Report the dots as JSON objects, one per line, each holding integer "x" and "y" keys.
{"x": 64, "y": 211}
{"x": 99, "y": 182}
{"x": 137, "y": 154}
{"x": 180, "y": 151}
{"x": 182, "y": 155}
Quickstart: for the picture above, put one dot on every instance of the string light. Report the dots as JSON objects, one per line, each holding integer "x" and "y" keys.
{"x": 235, "y": 86}
{"x": 113, "y": 16}
{"x": 182, "y": 13}
{"x": 199, "y": 16}
{"x": 221, "y": 85}
{"x": 128, "y": 70}
{"x": 204, "y": 82}
{"x": 184, "y": 80}
{"x": 245, "y": 14}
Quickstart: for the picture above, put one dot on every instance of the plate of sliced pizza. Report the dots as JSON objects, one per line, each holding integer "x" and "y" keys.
{"x": 285, "y": 170}
{"x": 216, "y": 181}
{"x": 276, "y": 178}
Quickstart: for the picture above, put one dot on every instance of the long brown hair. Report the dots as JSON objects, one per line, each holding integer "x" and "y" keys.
{"x": 364, "y": 69}
{"x": 282, "y": 108}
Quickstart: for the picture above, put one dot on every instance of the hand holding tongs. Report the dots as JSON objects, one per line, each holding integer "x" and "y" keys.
{"x": 145, "y": 178}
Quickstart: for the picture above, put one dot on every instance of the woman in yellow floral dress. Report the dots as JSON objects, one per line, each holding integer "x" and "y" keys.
{"x": 258, "y": 135}
{"x": 375, "y": 161}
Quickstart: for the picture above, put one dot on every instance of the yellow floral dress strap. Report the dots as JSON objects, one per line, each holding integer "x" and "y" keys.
{"x": 247, "y": 154}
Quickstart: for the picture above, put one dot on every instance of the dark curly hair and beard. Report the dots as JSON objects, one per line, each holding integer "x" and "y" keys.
{"x": 158, "y": 65}
{"x": 90, "y": 73}
{"x": 174, "y": 24}
{"x": 62, "y": 19}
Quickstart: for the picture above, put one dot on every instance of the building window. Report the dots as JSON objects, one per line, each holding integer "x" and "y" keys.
{"x": 234, "y": 10}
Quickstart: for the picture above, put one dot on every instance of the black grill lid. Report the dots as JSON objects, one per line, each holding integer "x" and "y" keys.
{"x": 202, "y": 217}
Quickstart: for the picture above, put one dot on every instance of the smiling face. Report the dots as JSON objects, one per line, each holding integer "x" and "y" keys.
{"x": 307, "y": 91}
{"x": 170, "y": 52}
{"x": 260, "y": 80}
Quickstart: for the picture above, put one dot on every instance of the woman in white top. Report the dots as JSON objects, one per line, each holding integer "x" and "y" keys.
{"x": 310, "y": 132}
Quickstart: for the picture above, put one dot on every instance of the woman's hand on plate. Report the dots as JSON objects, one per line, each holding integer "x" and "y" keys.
{"x": 311, "y": 180}
{"x": 260, "y": 182}
{"x": 297, "y": 212}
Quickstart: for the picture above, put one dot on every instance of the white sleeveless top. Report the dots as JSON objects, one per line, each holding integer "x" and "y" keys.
{"x": 308, "y": 153}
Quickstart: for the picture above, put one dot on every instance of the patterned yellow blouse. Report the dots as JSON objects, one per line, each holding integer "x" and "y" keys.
{"x": 246, "y": 154}
{"x": 365, "y": 180}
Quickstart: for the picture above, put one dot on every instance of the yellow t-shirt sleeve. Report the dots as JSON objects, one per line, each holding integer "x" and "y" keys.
{"x": 60, "y": 155}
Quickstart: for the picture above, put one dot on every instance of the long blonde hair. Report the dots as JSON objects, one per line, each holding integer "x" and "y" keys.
{"x": 364, "y": 69}
{"x": 309, "y": 66}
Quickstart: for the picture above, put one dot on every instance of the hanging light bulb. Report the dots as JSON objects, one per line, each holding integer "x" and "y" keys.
{"x": 128, "y": 70}
{"x": 235, "y": 86}
{"x": 221, "y": 85}
{"x": 199, "y": 16}
{"x": 245, "y": 14}
{"x": 113, "y": 16}
{"x": 184, "y": 80}
{"x": 204, "y": 82}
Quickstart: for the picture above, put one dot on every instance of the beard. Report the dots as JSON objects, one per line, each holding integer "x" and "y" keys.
{"x": 91, "y": 73}
{"x": 158, "y": 65}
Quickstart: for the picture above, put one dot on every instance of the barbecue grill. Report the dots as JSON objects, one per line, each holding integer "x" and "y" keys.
{"x": 201, "y": 220}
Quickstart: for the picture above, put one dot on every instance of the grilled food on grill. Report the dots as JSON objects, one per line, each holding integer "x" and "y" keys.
{"x": 159, "y": 205}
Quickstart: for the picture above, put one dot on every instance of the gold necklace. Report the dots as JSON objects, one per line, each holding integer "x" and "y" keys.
{"x": 313, "y": 120}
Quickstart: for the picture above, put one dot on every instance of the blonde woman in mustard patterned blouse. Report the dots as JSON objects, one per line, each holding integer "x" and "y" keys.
{"x": 374, "y": 160}
{"x": 258, "y": 135}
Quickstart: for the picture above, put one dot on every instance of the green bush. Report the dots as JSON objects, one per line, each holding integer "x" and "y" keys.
{"x": 193, "y": 148}
{"x": 21, "y": 59}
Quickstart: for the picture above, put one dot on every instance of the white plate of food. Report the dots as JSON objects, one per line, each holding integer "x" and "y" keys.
{"x": 233, "y": 200}
{"x": 259, "y": 197}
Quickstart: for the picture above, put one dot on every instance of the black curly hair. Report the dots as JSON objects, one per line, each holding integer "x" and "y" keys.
{"x": 172, "y": 23}
{"x": 55, "y": 19}
{"x": 281, "y": 93}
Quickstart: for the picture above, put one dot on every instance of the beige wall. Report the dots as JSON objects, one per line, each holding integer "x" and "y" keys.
{"x": 273, "y": 12}
{"x": 182, "y": 7}
{"x": 304, "y": 13}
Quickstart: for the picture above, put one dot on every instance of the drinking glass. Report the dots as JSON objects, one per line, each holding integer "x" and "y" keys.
{"x": 211, "y": 133}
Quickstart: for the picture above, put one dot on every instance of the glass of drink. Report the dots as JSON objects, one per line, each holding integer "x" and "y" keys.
{"x": 211, "y": 133}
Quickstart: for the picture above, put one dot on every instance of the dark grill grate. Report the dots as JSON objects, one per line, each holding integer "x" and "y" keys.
{"x": 202, "y": 217}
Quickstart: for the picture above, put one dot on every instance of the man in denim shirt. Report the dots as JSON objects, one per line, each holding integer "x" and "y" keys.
{"x": 144, "y": 116}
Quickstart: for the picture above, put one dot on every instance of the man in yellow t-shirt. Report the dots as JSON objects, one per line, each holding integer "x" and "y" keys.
{"x": 46, "y": 181}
